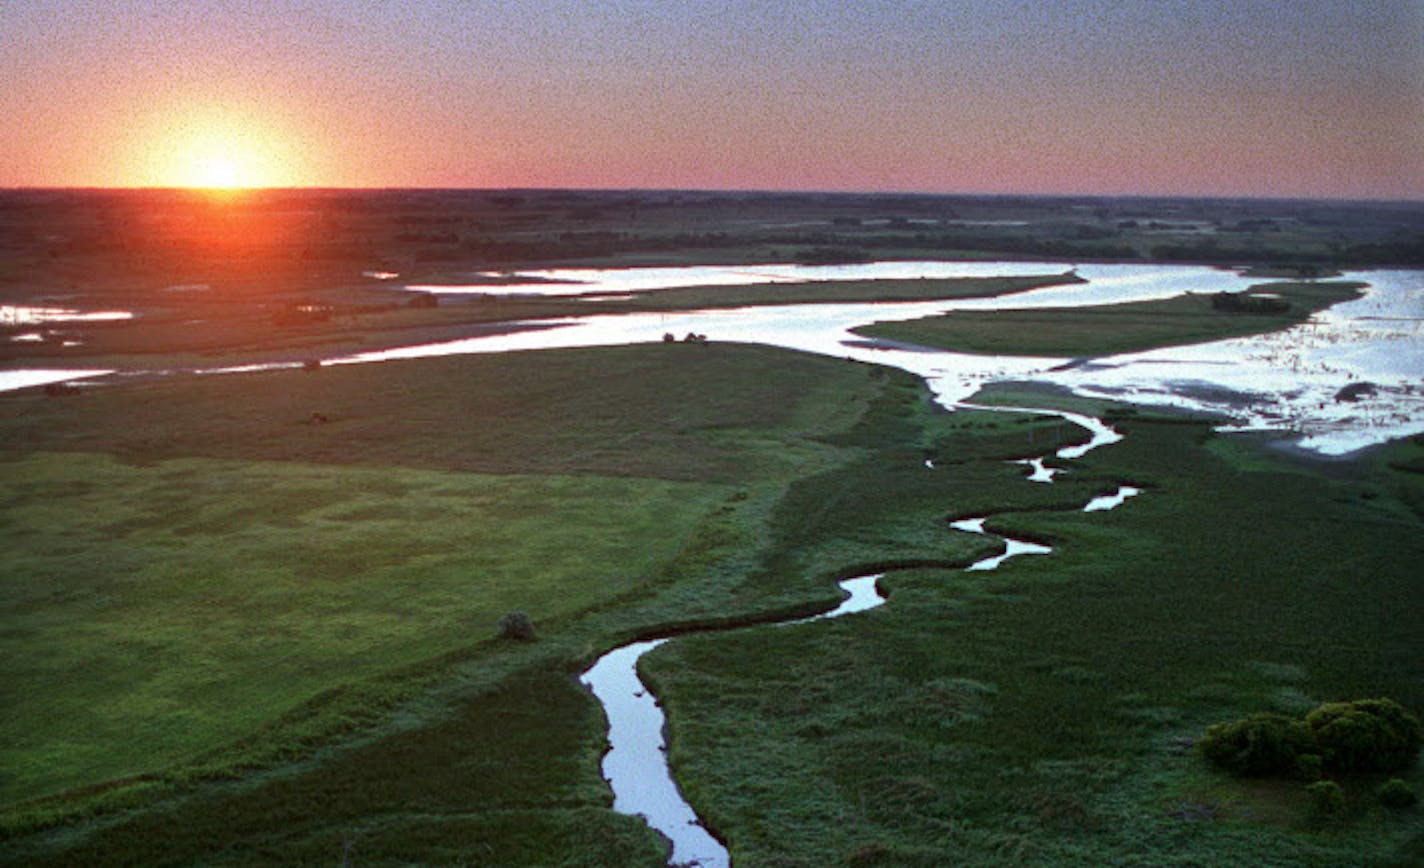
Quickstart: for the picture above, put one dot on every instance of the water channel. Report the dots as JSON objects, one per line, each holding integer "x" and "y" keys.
{"x": 1285, "y": 381}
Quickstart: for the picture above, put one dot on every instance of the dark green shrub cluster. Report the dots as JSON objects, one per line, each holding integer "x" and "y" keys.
{"x": 1367, "y": 735}
{"x": 1396, "y": 794}
{"x": 1262, "y": 744}
{"x": 1326, "y": 798}
{"x": 1370, "y": 735}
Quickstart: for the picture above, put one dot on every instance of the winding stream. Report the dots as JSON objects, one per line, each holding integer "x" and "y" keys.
{"x": 636, "y": 766}
{"x": 636, "y": 763}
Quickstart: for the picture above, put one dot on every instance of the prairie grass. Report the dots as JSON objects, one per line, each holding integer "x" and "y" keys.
{"x": 1044, "y": 714}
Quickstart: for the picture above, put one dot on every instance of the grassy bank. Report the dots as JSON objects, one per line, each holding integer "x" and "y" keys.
{"x": 1104, "y": 330}
{"x": 159, "y": 611}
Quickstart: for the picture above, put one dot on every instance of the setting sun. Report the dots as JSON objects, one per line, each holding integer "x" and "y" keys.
{"x": 216, "y": 150}
{"x": 217, "y": 171}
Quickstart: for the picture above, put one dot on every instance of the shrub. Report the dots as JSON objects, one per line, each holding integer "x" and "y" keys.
{"x": 1309, "y": 767}
{"x": 1396, "y": 794}
{"x": 1326, "y": 798}
{"x": 1262, "y": 744}
{"x": 516, "y": 625}
{"x": 1368, "y": 735}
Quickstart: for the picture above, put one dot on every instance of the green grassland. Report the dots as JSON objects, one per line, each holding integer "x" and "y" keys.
{"x": 211, "y": 594}
{"x": 184, "y": 603}
{"x": 254, "y": 638}
{"x": 1044, "y": 714}
{"x": 1103, "y": 330}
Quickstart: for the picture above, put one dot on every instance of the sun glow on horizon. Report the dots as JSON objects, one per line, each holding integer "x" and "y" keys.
{"x": 219, "y": 151}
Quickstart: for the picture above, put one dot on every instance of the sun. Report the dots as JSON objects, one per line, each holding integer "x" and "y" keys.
{"x": 218, "y": 171}
{"x": 217, "y": 151}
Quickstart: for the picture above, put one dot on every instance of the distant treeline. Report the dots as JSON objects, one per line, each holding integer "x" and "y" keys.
{"x": 1406, "y": 252}
{"x": 830, "y": 246}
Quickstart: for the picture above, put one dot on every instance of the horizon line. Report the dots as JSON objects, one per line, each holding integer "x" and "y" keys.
{"x": 748, "y": 191}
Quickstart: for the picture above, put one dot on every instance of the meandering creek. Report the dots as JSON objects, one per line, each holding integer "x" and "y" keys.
{"x": 636, "y": 765}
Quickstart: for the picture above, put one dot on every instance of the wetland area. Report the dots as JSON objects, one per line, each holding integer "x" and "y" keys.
{"x": 363, "y": 528}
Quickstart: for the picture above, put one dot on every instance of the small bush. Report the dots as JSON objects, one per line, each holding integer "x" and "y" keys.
{"x": 1368, "y": 735}
{"x": 1326, "y": 798}
{"x": 1309, "y": 767}
{"x": 1396, "y": 795}
{"x": 516, "y": 625}
{"x": 1262, "y": 744}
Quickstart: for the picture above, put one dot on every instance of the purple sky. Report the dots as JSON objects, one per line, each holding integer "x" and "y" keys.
{"x": 1206, "y": 97}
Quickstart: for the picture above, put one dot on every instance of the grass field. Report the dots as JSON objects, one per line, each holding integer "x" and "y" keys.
{"x": 230, "y": 589}
{"x": 182, "y": 604}
{"x": 270, "y": 640}
{"x": 1105, "y": 330}
{"x": 1044, "y": 714}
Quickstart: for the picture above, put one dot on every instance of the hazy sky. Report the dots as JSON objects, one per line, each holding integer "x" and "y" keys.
{"x": 1248, "y": 97}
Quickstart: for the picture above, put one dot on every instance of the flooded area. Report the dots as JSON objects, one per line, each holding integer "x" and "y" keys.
{"x": 1292, "y": 380}
{"x": 1289, "y": 381}
{"x": 25, "y": 378}
{"x": 1286, "y": 381}
{"x": 623, "y": 281}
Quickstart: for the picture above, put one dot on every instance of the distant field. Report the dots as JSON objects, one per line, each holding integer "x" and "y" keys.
{"x": 1104, "y": 330}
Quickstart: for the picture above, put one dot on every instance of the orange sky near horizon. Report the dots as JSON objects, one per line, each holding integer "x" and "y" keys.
{"x": 1207, "y": 98}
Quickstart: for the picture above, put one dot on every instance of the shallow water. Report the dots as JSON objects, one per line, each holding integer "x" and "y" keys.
{"x": 1012, "y": 547}
{"x": 24, "y": 378}
{"x": 1287, "y": 380}
{"x": 1111, "y": 501}
{"x": 636, "y": 764}
{"x": 1038, "y": 471}
{"x": 21, "y": 314}
{"x": 1282, "y": 382}
{"x": 580, "y": 281}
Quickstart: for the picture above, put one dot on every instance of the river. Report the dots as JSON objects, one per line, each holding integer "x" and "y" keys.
{"x": 1285, "y": 381}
